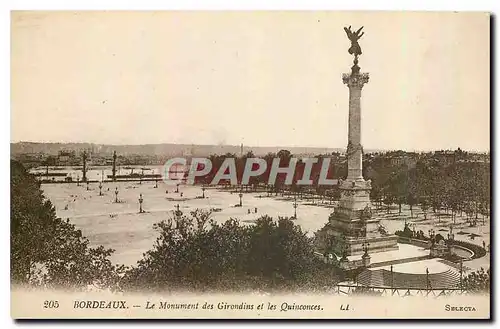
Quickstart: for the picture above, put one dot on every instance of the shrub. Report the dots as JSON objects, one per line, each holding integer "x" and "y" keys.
{"x": 477, "y": 282}
{"x": 48, "y": 251}
{"x": 194, "y": 253}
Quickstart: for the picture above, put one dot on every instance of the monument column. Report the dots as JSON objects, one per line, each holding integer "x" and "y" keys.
{"x": 114, "y": 166}
{"x": 355, "y": 81}
{"x": 352, "y": 226}
{"x": 84, "y": 169}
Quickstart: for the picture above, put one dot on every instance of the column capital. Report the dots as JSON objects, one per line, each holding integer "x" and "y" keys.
{"x": 355, "y": 80}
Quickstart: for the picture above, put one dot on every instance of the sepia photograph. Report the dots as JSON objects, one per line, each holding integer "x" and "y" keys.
{"x": 250, "y": 164}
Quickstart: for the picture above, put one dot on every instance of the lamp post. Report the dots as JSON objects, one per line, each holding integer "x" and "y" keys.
{"x": 461, "y": 273}
{"x": 427, "y": 279}
{"x": 451, "y": 236}
{"x": 295, "y": 207}
{"x": 365, "y": 245}
{"x": 432, "y": 235}
{"x": 392, "y": 277}
{"x": 116, "y": 194}
{"x": 178, "y": 213}
{"x": 141, "y": 200}
{"x": 100, "y": 188}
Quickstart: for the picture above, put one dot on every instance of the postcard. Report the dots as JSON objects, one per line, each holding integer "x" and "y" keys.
{"x": 250, "y": 164}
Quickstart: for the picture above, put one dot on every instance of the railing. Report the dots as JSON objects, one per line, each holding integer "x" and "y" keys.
{"x": 353, "y": 289}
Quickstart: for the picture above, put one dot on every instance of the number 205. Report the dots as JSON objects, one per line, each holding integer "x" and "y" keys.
{"x": 51, "y": 304}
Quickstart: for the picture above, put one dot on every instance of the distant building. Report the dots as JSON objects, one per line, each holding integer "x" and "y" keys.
{"x": 65, "y": 158}
{"x": 405, "y": 160}
{"x": 188, "y": 152}
{"x": 395, "y": 158}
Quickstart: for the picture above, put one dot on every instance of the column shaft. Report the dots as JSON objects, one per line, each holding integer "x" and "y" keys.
{"x": 354, "y": 162}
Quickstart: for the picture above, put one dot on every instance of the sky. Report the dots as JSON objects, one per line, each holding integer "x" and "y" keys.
{"x": 257, "y": 78}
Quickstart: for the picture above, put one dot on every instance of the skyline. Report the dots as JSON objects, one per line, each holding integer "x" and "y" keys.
{"x": 250, "y": 147}
{"x": 94, "y": 75}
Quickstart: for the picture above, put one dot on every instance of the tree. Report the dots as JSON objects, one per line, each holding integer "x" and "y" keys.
{"x": 388, "y": 200}
{"x": 399, "y": 185}
{"x": 48, "y": 251}
{"x": 424, "y": 205}
{"x": 457, "y": 186}
{"x": 477, "y": 282}
{"x": 376, "y": 195}
{"x": 278, "y": 249}
{"x": 195, "y": 253}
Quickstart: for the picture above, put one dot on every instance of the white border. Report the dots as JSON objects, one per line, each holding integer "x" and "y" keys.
{"x": 422, "y": 5}
{"x": 7, "y": 6}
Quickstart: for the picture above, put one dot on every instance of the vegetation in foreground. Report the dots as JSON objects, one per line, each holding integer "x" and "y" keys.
{"x": 191, "y": 253}
{"x": 48, "y": 251}
{"x": 478, "y": 282}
